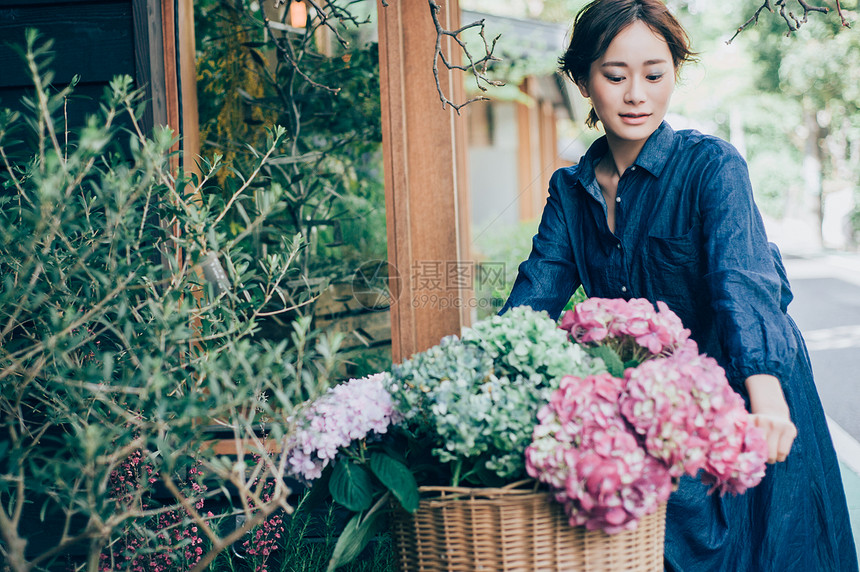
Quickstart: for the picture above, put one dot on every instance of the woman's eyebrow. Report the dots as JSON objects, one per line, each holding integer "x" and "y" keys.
{"x": 624, "y": 64}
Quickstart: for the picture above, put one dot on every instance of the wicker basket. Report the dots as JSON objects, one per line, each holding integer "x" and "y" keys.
{"x": 462, "y": 529}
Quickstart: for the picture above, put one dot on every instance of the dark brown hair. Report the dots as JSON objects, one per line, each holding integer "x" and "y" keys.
{"x": 599, "y": 22}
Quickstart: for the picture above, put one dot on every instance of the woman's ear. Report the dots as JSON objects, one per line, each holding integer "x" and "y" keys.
{"x": 583, "y": 89}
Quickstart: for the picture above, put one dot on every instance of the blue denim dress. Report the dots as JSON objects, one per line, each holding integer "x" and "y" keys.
{"x": 687, "y": 232}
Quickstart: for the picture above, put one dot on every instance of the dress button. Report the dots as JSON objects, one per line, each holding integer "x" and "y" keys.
{"x": 633, "y": 168}
{"x": 618, "y": 246}
{"x": 617, "y": 199}
{"x": 624, "y": 288}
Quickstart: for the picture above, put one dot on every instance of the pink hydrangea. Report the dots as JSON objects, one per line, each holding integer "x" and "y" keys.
{"x": 737, "y": 461}
{"x": 626, "y": 325}
{"x": 347, "y": 412}
{"x": 691, "y": 419}
{"x": 594, "y": 465}
{"x": 614, "y": 483}
{"x": 610, "y": 449}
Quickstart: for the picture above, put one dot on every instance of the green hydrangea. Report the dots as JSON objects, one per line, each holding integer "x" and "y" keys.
{"x": 477, "y": 397}
{"x": 529, "y": 343}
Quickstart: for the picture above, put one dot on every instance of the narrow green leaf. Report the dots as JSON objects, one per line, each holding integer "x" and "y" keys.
{"x": 353, "y": 539}
{"x": 398, "y": 478}
{"x": 350, "y": 486}
{"x": 610, "y": 357}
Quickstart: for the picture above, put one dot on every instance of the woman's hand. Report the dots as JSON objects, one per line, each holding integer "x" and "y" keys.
{"x": 770, "y": 414}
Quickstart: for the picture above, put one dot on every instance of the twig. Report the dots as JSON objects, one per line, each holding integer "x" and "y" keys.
{"x": 807, "y": 9}
{"x": 477, "y": 67}
{"x": 845, "y": 23}
{"x": 752, "y": 21}
{"x": 792, "y": 26}
{"x": 792, "y": 22}
{"x": 285, "y": 53}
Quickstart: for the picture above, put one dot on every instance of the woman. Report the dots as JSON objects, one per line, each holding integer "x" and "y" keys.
{"x": 664, "y": 215}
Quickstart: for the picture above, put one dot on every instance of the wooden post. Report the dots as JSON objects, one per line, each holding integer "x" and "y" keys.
{"x": 189, "y": 115}
{"x": 171, "y": 76}
{"x": 548, "y": 153}
{"x": 423, "y": 184}
{"x": 527, "y": 157}
{"x": 165, "y": 51}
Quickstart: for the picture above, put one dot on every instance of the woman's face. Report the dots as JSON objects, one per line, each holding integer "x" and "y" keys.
{"x": 631, "y": 84}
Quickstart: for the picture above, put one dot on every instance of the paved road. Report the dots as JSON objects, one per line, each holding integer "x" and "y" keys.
{"x": 827, "y": 309}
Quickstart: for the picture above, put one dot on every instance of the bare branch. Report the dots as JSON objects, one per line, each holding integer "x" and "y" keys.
{"x": 325, "y": 19}
{"x": 792, "y": 22}
{"x": 752, "y": 21}
{"x": 807, "y": 9}
{"x": 478, "y": 67}
{"x": 283, "y": 51}
{"x": 845, "y": 23}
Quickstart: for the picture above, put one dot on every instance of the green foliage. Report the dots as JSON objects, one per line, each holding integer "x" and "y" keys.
{"x": 397, "y": 478}
{"x": 503, "y": 247}
{"x": 350, "y": 486}
{"x": 307, "y": 543}
{"x": 322, "y": 84}
{"x": 355, "y": 536}
{"x": 818, "y": 70}
{"x": 326, "y": 94}
{"x": 112, "y": 344}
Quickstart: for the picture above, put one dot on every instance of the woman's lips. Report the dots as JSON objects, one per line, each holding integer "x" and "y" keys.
{"x": 634, "y": 118}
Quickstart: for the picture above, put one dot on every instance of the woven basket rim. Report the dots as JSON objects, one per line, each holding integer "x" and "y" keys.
{"x": 517, "y": 488}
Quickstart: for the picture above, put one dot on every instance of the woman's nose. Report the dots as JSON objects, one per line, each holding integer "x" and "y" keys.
{"x": 635, "y": 92}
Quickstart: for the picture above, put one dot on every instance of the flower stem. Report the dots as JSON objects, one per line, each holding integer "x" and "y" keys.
{"x": 455, "y": 479}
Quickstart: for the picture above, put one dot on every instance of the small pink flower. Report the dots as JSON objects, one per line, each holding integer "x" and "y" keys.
{"x": 613, "y": 322}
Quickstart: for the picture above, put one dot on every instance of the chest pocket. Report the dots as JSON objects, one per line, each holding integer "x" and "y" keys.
{"x": 675, "y": 268}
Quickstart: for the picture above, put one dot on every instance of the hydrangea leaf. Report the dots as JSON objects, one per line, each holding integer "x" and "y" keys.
{"x": 350, "y": 486}
{"x": 610, "y": 358}
{"x": 353, "y": 539}
{"x": 398, "y": 478}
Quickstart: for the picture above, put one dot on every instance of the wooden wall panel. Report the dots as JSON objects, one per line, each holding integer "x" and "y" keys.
{"x": 94, "y": 40}
{"x": 525, "y": 156}
{"x": 28, "y": 3}
{"x": 99, "y": 39}
{"x": 548, "y": 152}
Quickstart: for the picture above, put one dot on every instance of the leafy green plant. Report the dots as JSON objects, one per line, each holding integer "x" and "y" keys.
{"x": 501, "y": 249}
{"x": 322, "y": 83}
{"x": 129, "y": 312}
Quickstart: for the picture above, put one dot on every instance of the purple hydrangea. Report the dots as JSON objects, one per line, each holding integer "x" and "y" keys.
{"x": 347, "y": 412}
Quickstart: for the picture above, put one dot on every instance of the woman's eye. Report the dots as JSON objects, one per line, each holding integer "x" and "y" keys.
{"x": 615, "y": 78}
{"x": 654, "y": 76}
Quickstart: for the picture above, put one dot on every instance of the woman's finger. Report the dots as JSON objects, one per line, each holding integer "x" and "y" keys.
{"x": 779, "y": 435}
{"x": 786, "y": 439}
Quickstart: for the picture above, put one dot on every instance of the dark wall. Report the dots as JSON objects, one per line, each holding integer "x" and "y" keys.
{"x": 94, "y": 39}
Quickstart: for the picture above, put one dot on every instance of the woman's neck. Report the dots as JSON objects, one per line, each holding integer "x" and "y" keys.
{"x": 623, "y": 153}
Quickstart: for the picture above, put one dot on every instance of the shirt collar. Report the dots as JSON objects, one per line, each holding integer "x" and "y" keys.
{"x": 655, "y": 153}
{"x": 652, "y": 157}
